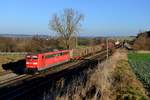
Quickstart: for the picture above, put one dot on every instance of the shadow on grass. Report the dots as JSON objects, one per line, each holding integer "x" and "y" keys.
{"x": 16, "y": 67}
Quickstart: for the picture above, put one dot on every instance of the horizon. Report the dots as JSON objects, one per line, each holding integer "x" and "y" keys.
{"x": 102, "y": 18}
{"x": 47, "y": 35}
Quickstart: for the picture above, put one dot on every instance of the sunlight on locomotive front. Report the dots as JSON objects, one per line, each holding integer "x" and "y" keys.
{"x": 32, "y": 62}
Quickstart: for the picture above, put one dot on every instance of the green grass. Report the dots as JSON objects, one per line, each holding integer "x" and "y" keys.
{"x": 140, "y": 63}
{"x": 142, "y": 57}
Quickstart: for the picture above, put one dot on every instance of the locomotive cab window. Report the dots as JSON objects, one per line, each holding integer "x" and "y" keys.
{"x": 58, "y": 54}
{"x": 64, "y": 53}
{"x": 50, "y": 56}
{"x": 34, "y": 57}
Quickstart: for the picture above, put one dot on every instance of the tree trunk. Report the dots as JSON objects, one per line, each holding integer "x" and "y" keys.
{"x": 76, "y": 40}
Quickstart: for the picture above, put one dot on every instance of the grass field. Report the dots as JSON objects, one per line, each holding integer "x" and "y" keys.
{"x": 144, "y": 57}
{"x": 140, "y": 63}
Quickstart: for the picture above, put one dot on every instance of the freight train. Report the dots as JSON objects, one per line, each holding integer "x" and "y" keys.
{"x": 45, "y": 60}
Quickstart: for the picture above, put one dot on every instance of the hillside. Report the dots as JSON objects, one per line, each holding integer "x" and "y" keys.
{"x": 142, "y": 41}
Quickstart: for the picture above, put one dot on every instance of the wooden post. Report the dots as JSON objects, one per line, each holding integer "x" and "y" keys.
{"x": 107, "y": 47}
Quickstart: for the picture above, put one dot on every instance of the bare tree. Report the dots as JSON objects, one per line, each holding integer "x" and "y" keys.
{"x": 67, "y": 25}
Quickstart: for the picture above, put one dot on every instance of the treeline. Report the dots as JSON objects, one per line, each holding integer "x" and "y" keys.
{"x": 8, "y": 44}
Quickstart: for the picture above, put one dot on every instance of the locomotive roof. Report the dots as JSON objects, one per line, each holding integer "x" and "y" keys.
{"x": 37, "y": 51}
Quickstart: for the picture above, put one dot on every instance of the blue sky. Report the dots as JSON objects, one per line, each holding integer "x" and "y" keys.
{"x": 102, "y": 17}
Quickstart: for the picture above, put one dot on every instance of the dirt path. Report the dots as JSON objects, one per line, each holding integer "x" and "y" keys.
{"x": 119, "y": 54}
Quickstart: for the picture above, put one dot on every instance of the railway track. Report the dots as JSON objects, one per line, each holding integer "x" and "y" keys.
{"x": 12, "y": 80}
{"x": 10, "y": 89}
{"x": 7, "y": 76}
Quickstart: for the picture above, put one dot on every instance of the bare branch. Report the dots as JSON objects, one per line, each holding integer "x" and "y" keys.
{"x": 67, "y": 25}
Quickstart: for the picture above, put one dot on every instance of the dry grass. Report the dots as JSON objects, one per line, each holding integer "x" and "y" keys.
{"x": 110, "y": 80}
{"x": 126, "y": 85}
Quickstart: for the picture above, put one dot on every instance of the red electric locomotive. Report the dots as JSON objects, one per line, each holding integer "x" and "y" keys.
{"x": 41, "y": 61}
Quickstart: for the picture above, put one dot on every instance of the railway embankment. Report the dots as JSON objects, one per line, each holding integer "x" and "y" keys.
{"x": 110, "y": 80}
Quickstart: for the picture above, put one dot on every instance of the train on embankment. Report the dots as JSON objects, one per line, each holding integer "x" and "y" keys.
{"x": 44, "y": 60}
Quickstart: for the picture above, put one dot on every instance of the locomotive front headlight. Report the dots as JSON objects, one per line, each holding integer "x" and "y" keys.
{"x": 35, "y": 63}
{"x": 27, "y": 62}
